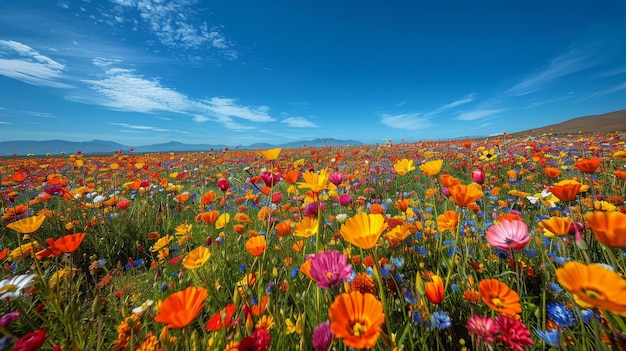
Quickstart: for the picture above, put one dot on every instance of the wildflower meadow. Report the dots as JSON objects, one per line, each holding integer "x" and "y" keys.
{"x": 486, "y": 244}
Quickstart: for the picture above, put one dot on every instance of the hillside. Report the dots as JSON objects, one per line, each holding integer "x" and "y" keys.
{"x": 608, "y": 122}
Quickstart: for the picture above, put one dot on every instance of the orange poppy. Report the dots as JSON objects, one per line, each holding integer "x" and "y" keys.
{"x": 256, "y": 245}
{"x": 609, "y": 228}
{"x": 552, "y": 172}
{"x": 182, "y": 197}
{"x": 556, "y": 226}
{"x": 356, "y": 318}
{"x": 620, "y": 174}
{"x": 402, "y": 204}
{"x": 291, "y": 177}
{"x": 305, "y": 268}
{"x": 207, "y": 217}
{"x": 363, "y": 230}
{"x": 284, "y": 228}
{"x": 431, "y": 167}
{"x": 565, "y": 192}
{"x": 69, "y": 243}
{"x": 434, "y": 289}
{"x": 27, "y": 225}
{"x": 207, "y": 198}
{"x": 448, "y": 220}
{"x": 594, "y": 286}
{"x": 242, "y": 218}
{"x": 463, "y": 195}
{"x": 499, "y": 297}
{"x": 588, "y": 165}
{"x": 15, "y": 212}
{"x": 4, "y": 253}
{"x": 448, "y": 181}
{"x": 179, "y": 309}
{"x": 400, "y": 232}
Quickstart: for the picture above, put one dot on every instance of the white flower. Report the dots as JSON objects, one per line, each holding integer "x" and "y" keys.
{"x": 12, "y": 288}
{"x": 98, "y": 199}
{"x": 341, "y": 218}
{"x": 143, "y": 308}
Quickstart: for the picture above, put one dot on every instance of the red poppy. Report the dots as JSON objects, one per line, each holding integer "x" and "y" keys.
{"x": 588, "y": 165}
{"x": 31, "y": 341}
{"x": 69, "y": 243}
{"x": 223, "y": 319}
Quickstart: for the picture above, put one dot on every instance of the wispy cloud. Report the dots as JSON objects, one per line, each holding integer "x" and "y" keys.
{"x": 175, "y": 24}
{"x": 229, "y": 107}
{"x": 611, "y": 72}
{"x": 408, "y": 121}
{"x": 298, "y": 122}
{"x": 608, "y": 91}
{"x": 575, "y": 60}
{"x": 478, "y": 114}
{"x": 465, "y": 100}
{"x": 144, "y": 129}
{"x": 29, "y": 66}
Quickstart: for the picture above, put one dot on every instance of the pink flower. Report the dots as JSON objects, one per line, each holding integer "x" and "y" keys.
{"x": 270, "y": 179}
{"x": 484, "y": 328}
{"x": 513, "y": 333}
{"x": 508, "y": 235}
{"x": 336, "y": 178}
{"x": 345, "y": 199}
{"x": 330, "y": 268}
{"x": 478, "y": 176}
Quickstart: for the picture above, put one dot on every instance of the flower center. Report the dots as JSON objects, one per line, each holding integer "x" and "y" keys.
{"x": 358, "y": 329}
{"x": 329, "y": 275}
{"x": 594, "y": 294}
{"x": 497, "y": 302}
{"x": 8, "y": 288}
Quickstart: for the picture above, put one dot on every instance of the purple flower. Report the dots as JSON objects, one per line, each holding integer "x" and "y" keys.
{"x": 322, "y": 336}
{"x": 9, "y": 318}
{"x": 330, "y": 268}
{"x": 311, "y": 210}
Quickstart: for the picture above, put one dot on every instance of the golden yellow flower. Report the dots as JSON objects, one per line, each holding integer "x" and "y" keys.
{"x": 27, "y": 225}
{"x": 314, "y": 181}
{"x": 271, "y": 154}
{"x": 403, "y": 166}
{"x": 306, "y": 228}
{"x": 363, "y": 230}
{"x": 196, "y": 257}
{"x": 431, "y": 167}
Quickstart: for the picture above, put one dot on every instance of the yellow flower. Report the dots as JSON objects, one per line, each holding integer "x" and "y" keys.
{"x": 363, "y": 230}
{"x": 403, "y": 166}
{"x": 183, "y": 229}
{"x": 271, "y": 154}
{"x": 27, "y": 225}
{"x": 306, "y": 228}
{"x": 431, "y": 167}
{"x": 222, "y": 220}
{"x": 488, "y": 155}
{"x": 161, "y": 243}
{"x": 316, "y": 182}
{"x": 196, "y": 257}
{"x": 295, "y": 327}
{"x": 266, "y": 322}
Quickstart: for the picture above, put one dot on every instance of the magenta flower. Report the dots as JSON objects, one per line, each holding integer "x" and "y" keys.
{"x": 270, "y": 179}
{"x": 322, "y": 336}
{"x": 345, "y": 199}
{"x": 508, "y": 235}
{"x": 330, "y": 268}
{"x": 483, "y": 328}
{"x": 336, "y": 178}
{"x": 513, "y": 333}
{"x": 478, "y": 176}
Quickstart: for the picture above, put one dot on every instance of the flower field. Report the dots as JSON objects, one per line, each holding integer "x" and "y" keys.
{"x": 491, "y": 244}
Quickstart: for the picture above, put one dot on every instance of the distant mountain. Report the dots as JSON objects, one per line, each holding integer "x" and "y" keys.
{"x": 55, "y": 147}
{"x": 607, "y": 122}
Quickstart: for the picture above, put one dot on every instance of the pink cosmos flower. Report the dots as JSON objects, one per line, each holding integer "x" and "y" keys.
{"x": 508, "y": 235}
{"x": 483, "y": 328}
{"x": 513, "y": 333}
{"x": 330, "y": 268}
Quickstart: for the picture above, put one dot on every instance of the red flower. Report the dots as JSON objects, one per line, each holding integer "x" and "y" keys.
{"x": 31, "y": 341}
{"x": 513, "y": 333}
{"x": 223, "y": 319}
{"x": 258, "y": 341}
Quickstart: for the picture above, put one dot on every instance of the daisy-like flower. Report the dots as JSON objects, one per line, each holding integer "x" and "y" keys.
{"x": 356, "y": 318}
{"x": 483, "y": 328}
{"x": 499, "y": 297}
{"x": 322, "y": 336}
{"x": 12, "y": 288}
{"x": 143, "y": 308}
{"x": 196, "y": 257}
{"x": 330, "y": 268}
{"x": 403, "y": 166}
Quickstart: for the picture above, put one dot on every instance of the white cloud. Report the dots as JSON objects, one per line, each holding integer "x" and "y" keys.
{"x": 575, "y": 60}
{"x": 477, "y": 114}
{"x": 608, "y": 91}
{"x": 174, "y": 23}
{"x": 298, "y": 122}
{"x": 31, "y": 67}
{"x": 229, "y": 107}
{"x": 465, "y": 100}
{"x": 125, "y": 90}
{"x": 199, "y": 118}
{"x": 409, "y": 121}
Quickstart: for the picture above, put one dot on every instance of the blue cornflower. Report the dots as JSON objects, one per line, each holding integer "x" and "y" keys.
{"x": 455, "y": 288}
{"x": 163, "y": 287}
{"x": 441, "y": 320}
{"x": 417, "y": 319}
{"x": 560, "y": 314}
{"x": 385, "y": 271}
{"x": 530, "y": 253}
{"x": 242, "y": 267}
{"x": 587, "y": 314}
{"x": 555, "y": 287}
{"x": 5, "y": 341}
{"x": 397, "y": 261}
{"x": 420, "y": 250}
{"x": 409, "y": 297}
{"x": 294, "y": 272}
{"x": 551, "y": 337}
{"x": 369, "y": 271}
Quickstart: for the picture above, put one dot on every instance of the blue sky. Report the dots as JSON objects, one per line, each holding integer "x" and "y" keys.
{"x": 238, "y": 72}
